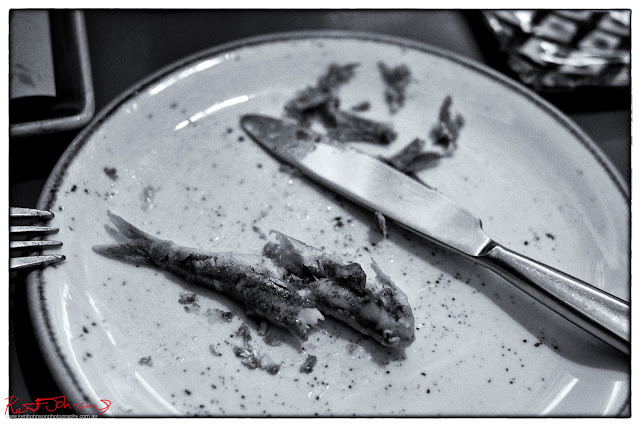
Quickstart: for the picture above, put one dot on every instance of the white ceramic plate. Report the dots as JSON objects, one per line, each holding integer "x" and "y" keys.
{"x": 169, "y": 156}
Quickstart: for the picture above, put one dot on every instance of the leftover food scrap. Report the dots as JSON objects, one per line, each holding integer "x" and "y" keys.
{"x": 320, "y": 103}
{"x": 292, "y": 285}
{"x": 413, "y": 157}
{"x": 420, "y": 154}
{"x": 374, "y": 307}
{"x": 309, "y": 364}
{"x": 446, "y": 131}
{"x": 145, "y": 361}
{"x": 381, "y": 222}
{"x": 112, "y": 173}
{"x": 147, "y": 197}
{"x": 396, "y": 80}
{"x": 250, "y": 357}
{"x": 253, "y": 360}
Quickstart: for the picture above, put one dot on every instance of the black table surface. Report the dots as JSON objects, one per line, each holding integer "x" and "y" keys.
{"x": 126, "y": 46}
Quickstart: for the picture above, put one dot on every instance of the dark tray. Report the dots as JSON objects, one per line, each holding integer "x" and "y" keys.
{"x": 73, "y": 106}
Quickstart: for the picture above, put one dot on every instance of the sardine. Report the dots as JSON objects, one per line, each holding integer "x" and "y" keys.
{"x": 251, "y": 279}
{"x": 292, "y": 286}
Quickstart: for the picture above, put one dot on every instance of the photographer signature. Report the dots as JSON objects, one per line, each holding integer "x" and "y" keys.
{"x": 51, "y": 404}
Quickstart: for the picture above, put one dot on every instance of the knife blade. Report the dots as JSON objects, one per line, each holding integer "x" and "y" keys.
{"x": 379, "y": 187}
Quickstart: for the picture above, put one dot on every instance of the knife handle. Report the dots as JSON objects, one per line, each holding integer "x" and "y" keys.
{"x": 597, "y": 312}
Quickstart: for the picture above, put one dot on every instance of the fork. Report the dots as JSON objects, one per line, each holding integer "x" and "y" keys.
{"x": 20, "y": 249}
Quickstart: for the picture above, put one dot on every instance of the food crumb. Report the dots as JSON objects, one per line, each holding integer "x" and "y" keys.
{"x": 244, "y": 333}
{"x": 217, "y": 315}
{"x": 413, "y": 157}
{"x": 145, "y": 361}
{"x": 381, "y": 222}
{"x": 446, "y": 131}
{"x": 309, "y": 364}
{"x": 396, "y": 81}
{"x": 252, "y": 360}
{"x": 188, "y": 298}
{"x": 361, "y": 107}
{"x": 214, "y": 351}
{"x": 195, "y": 307}
{"x": 147, "y": 196}
{"x": 336, "y": 76}
{"x": 111, "y": 173}
{"x": 261, "y": 234}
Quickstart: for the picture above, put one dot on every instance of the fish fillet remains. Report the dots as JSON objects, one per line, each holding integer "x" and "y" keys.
{"x": 292, "y": 285}
{"x": 377, "y": 308}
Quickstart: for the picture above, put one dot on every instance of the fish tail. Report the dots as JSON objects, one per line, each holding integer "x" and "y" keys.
{"x": 135, "y": 245}
{"x": 124, "y": 251}
{"x": 128, "y": 230}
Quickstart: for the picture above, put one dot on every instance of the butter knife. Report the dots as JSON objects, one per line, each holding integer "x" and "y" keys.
{"x": 379, "y": 187}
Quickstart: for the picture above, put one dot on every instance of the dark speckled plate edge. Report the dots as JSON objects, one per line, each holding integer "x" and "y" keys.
{"x": 53, "y": 354}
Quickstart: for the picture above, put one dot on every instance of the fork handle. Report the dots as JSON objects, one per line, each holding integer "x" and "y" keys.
{"x": 597, "y": 312}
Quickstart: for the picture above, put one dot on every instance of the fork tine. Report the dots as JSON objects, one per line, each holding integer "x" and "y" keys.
{"x": 23, "y": 262}
{"x": 33, "y": 244}
{"x": 15, "y": 213}
{"x": 34, "y": 261}
{"x": 31, "y": 229}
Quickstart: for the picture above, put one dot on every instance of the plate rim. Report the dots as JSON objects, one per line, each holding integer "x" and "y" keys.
{"x": 63, "y": 374}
